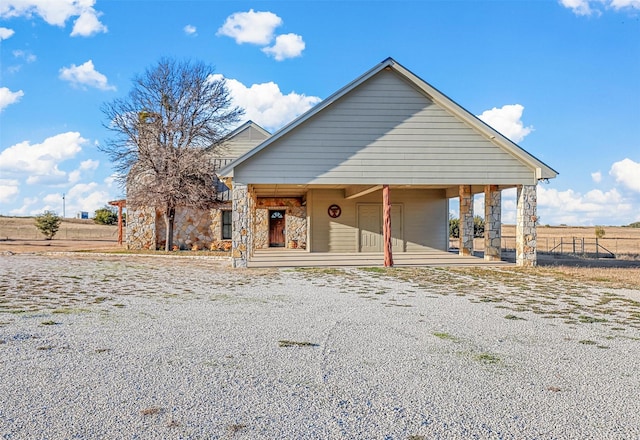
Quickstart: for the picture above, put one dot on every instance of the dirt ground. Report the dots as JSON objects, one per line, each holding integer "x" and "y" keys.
{"x": 34, "y": 246}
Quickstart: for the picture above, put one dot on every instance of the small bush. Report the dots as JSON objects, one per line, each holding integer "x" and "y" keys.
{"x": 454, "y": 227}
{"x": 599, "y": 231}
{"x": 48, "y": 223}
{"x": 106, "y": 216}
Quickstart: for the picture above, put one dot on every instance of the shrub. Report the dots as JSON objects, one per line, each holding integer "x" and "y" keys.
{"x": 48, "y": 223}
{"x": 478, "y": 227}
{"x": 106, "y": 216}
{"x": 599, "y": 231}
{"x": 454, "y": 227}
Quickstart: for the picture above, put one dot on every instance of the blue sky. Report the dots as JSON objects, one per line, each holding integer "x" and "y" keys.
{"x": 561, "y": 78}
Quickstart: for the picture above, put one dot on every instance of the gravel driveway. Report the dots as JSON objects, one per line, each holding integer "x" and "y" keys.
{"x": 175, "y": 348}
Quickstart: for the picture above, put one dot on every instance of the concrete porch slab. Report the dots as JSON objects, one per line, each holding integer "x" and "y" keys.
{"x": 280, "y": 257}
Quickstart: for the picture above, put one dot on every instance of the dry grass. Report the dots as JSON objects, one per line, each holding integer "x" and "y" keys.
{"x": 23, "y": 228}
{"x": 628, "y": 277}
{"x": 19, "y": 234}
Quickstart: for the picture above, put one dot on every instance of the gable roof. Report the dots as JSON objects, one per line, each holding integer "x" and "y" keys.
{"x": 241, "y": 140}
{"x": 542, "y": 171}
{"x": 247, "y": 125}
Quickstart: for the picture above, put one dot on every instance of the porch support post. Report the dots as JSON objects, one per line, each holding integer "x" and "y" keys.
{"x": 466, "y": 221}
{"x": 119, "y": 223}
{"x": 492, "y": 223}
{"x": 526, "y": 219}
{"x": 120, "y": 204}
{"x": 240, "y": 225}
{"x": 386, "y": 227}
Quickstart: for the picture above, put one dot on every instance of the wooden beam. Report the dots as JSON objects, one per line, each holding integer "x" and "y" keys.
{"x": 358, "y": 191}
{"x": 386, "y": 227}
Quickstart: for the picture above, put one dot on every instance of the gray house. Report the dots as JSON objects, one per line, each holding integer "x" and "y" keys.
{"x": 371, "y": 169}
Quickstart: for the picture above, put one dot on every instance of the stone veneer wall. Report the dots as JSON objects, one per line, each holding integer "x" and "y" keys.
{"x": 261, "y": 228}
{"x": 295, "y": 217}
{"x": 141, "y": 228}
{"x": 191, "y": 228}
{"x": 526, "y": 218}
{"x": 216, "y": 224}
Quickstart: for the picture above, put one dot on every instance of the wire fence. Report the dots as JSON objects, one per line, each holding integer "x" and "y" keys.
{"x": 586, "y": 246}
{"x": 583, "y": 246}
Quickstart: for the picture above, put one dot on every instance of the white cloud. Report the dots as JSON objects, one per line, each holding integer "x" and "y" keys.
{"x": 190, "y": 30}
{"x": 87, "y": 24}
{"x": 507, "y": 121}
{"x": 27, "y": 203}
{"x": 27, "y": 56}
{"x": 579, "y": 7}
{"x": 40, "y": 161}
{"x": 85, "y": 165}
{"x": 266, "y": 105}
{"x": 594, "y": 7}
{"x": 596, "y": 177}
{"x": 251, "y": 27}
{"x": 74, "y": 176}
{"x": 7, "y": 97}
{"x": 8, "y": 190}
{"x": 85, "y": 75}
{"x": 627, "y": 172}
{"x": 624, "y": 4}
{"x": 89, "y": 164}
{"x": 86, "y": 197}
{"x": 592, "y": 208}
{"x": 286, "y": 46}
{"x": 57, "y": 13}
{"x": 6, "y": 33}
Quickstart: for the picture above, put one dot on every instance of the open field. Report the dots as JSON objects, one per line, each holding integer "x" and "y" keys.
{"x": 15, "y": 231}
{"x": 621, "y": 241}
{"x": 131, "y": 346}
{"x": 23, "y": 228}
{"x": 19, "y": 234}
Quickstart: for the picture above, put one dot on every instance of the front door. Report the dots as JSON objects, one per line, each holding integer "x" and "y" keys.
{"x": 276, "y": 228}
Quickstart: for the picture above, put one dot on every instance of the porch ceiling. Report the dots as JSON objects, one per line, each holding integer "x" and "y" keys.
{"x": 277, "y": 190}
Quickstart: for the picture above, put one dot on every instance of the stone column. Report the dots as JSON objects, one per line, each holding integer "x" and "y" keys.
{"x": 526, "y": 219}
{"x": 240, "y": 225}
{"x": 492, "y": 223}
{"x": 466, "y": 221}
{"x": 253, "y": 202}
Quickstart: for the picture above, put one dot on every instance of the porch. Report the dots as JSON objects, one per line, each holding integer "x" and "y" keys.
{"x": 281, "y": 257}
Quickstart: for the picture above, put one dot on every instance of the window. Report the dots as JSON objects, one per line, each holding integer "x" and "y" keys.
{"x": 226, "y": 225}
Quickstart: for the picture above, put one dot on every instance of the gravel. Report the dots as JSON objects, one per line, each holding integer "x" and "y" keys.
{"x": 177, "y": 348}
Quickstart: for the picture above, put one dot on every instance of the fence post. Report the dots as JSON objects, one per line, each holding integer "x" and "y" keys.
{"x": 597, "y": 249}
{"x": 573, "y": 242}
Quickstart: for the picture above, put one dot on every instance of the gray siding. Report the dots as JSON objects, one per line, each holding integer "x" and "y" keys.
{"x": 384, "y": 131}
{"x": 424, "y": 214}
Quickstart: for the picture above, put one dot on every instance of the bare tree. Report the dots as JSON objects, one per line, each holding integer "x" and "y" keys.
{"x": 166, "y": 129}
